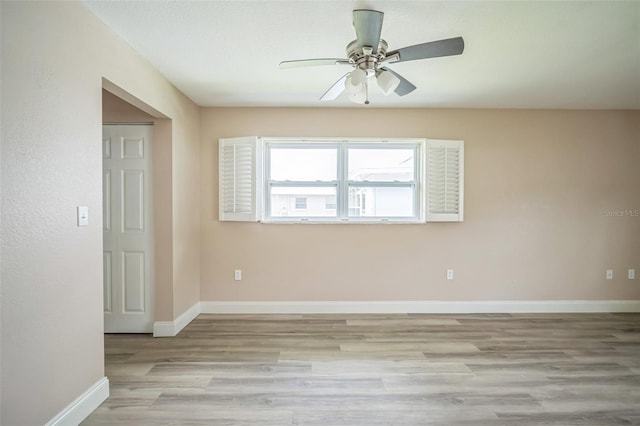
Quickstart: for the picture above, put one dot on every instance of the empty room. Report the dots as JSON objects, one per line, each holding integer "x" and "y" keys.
{"x": 298, "y": 212}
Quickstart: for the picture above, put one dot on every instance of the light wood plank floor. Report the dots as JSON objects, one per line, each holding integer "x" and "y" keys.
{"x": 542, "y": 369}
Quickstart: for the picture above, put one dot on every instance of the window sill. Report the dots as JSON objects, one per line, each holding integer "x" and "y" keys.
{"x": 344, "y": 222}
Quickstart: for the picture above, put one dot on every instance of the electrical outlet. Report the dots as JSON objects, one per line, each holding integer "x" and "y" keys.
{"x": 237, "y": 275}
{"x": 449, "y": 274}
{"x": 631, "y": 274}
{"x": 609, "y": 274}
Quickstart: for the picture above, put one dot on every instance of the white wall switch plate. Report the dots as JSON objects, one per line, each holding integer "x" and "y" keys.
{"x": 449, "y": 274}
{"x": 83, "y": 216}
{"x": 631, "y": 274}
{"x": 237, "y": 275}
{"x": 609, "y": 274}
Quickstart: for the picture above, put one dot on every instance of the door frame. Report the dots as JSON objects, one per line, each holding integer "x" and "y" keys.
{"x": 162, "y": 207}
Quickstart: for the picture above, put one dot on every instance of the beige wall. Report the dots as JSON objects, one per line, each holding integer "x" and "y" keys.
{"x": 118, "y": 111}
{"x": 537, "y": 188}
{"x": 54, "y": 58}
{"x": 538, "y": 184}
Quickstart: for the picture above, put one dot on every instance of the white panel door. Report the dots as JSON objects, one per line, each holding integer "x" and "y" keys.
{"x": 128, "y": 238}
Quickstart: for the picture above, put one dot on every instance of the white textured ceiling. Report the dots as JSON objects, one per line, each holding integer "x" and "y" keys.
{"x": 518, "y": 54}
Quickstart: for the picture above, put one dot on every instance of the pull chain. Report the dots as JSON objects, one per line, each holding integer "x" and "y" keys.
{"x": 366, "y": 91}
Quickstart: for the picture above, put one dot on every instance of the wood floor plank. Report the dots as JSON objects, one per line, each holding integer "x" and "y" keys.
{"x": 430, "y": 347}
{"x": 309, "y": 385}
{"x": 384, "y": 368}
{"x": 320, "y": 355}
{"x": 396, "y": 370}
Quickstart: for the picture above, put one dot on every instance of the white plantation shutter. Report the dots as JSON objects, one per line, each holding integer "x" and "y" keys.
{"x": 445, "y": 180}
{"x": 240, "y": 178}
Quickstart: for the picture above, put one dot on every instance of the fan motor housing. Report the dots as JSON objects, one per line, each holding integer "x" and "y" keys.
{"x": 365, "y": 60}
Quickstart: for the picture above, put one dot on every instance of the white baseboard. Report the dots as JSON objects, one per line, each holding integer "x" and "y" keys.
{"x": 436, "y": 307}
{"x": 74, "y": 413}
{"x": 172, "y": 328}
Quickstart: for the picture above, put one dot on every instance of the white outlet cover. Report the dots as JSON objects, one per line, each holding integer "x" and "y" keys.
{"x": 631, "y": 274}
{"x": 609, "y": 274}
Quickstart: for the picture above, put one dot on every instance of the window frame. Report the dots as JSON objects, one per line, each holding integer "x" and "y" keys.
{"x": 342, "y": 184}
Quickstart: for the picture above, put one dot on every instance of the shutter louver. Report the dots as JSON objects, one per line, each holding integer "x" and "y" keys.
{"x": 240, "y": 179}
{"x": 445, "y": 181}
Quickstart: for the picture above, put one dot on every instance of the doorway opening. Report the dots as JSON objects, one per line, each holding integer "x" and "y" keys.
{"x": 137, "y": 266}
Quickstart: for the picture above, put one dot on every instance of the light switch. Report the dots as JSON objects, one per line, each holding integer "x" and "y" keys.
{"x": 83, "y": 216}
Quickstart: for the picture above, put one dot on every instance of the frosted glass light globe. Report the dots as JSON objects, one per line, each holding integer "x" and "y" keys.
{"x": 387, "y": 82}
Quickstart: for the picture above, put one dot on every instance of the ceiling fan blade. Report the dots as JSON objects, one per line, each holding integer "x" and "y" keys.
{"x": 405, "y": 87}
{"x": 313, "y": 62}
{"x": 368, "y": 26}
{"x": 335, "y": 90}
{"x": 431, "y": 49}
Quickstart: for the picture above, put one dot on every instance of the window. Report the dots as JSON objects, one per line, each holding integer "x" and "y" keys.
{"x": 342, "y": 181}
{"x": 330, "y": 202}
{"x": 330, "y": 180}
{"x": 299, "y": 178}
{"x": 301, "y": 203}
{"x": 383, "y": 181}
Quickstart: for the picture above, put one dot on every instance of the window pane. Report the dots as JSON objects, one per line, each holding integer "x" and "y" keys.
{"x": 301, "y": 203}
{"x": 295, "y": 201}
{"x": 330, "y": 202}
{"x": 381, "y": 202}
{"x": 304, "y": 164}
{"x": 381, "y": 165}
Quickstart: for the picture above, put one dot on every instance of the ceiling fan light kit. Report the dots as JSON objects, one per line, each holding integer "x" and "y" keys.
{"x": 368, "y": 53}
{"x": 387, "y": 82}
{"x": 356, "y": 80}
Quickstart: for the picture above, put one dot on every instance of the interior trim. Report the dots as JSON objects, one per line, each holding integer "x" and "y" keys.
{"x": 172, "y": 328}
{"x": 435, "y": 307}
{"x": 82, "y": 406}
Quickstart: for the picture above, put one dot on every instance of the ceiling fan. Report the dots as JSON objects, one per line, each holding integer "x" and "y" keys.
{"x": 368, "y": 54}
